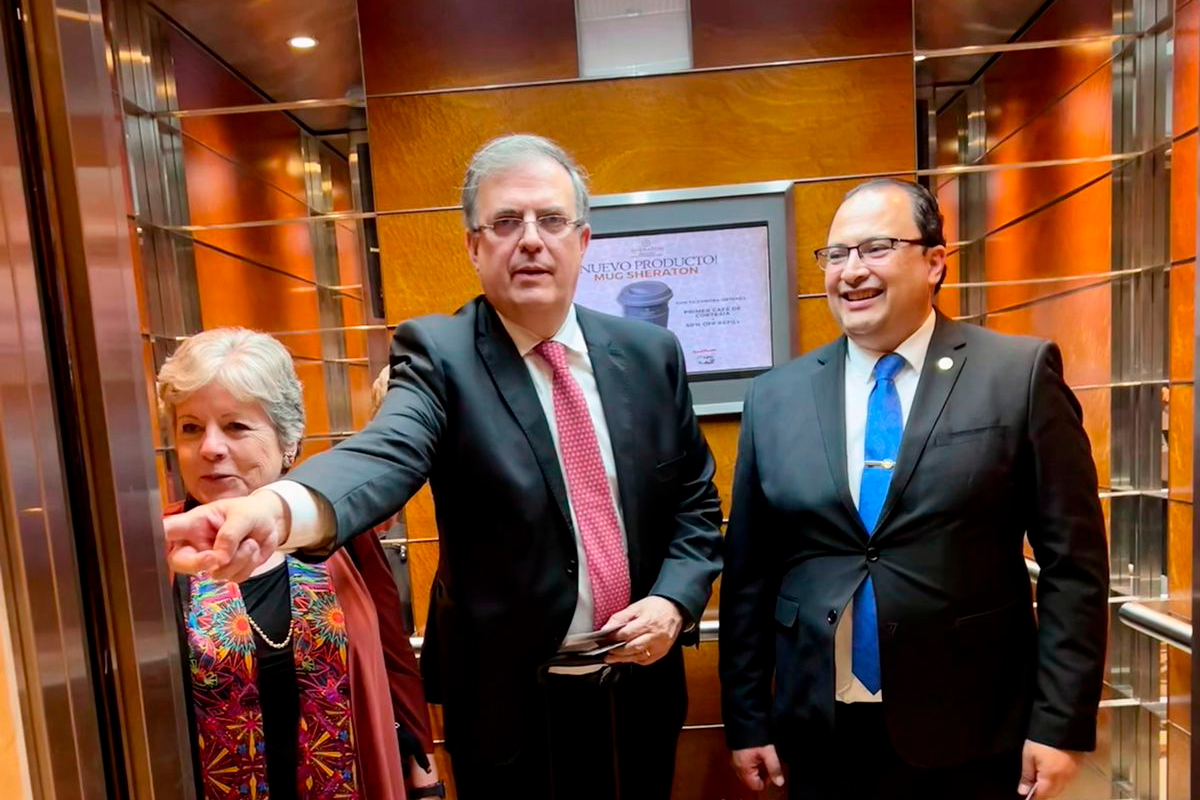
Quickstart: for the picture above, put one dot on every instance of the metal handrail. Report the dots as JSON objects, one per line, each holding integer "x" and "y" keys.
{"x": 1165, "y": 628}
{"x": 1157, "y": 625}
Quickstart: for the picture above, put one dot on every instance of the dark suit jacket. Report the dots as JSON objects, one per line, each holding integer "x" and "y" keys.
{"x": 461, "y": 411}
{"x": 993, "y": 450}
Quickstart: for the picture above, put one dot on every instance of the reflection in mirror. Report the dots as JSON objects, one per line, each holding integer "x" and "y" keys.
{"x": 254, "y": 42}
{"x": 315, "y": 275}
{"x": 1061, "y": 121}
{"x": 948, "y": 24}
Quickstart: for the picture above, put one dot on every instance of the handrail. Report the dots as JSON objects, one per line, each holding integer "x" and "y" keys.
{"x": 1170, "y": 630}
{"x": 1157, "y": 625}
{"x": 1165, "y": 628}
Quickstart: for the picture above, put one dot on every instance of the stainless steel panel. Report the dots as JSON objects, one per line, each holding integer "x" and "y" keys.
{"x": 1140, "y": 227}
{"x": 84, "y": 161}
{"x": 37, "y": 558}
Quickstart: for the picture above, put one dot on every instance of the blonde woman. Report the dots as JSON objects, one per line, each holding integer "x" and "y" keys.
{"x": 289, "y": 683}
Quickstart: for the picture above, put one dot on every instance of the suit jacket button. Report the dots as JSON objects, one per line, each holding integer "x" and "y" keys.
{"x": 570, "y": 567}
{"x": 831, "y": 617}
{"x": 872, "y": 554}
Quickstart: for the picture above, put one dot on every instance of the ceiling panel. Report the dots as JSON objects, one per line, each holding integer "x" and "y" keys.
{"x": 944, "y": 24}
{"x": 252, "y": 38}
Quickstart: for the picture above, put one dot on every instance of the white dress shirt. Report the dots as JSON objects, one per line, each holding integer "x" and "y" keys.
{"x": 312, "y": 516}
{"x": 860, "y": 380}
{"x": 580, "y": 364}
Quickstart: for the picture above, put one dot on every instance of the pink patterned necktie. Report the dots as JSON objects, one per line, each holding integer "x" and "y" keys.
{"x": 608, "y": 566}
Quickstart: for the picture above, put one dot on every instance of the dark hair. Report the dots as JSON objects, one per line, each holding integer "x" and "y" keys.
{"x": 926, "y": 213}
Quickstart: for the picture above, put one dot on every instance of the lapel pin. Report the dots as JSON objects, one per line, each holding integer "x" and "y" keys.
{"x": 945, "y": 363}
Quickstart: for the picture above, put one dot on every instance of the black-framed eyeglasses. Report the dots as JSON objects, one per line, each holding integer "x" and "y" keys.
{"x": 548, "y": 225}
{"x": 872, "y": 251}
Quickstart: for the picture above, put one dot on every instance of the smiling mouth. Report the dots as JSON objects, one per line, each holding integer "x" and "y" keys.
{"x": 861, "y": 294}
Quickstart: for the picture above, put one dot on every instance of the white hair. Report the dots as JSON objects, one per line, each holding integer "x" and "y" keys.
{"x": 252, "y": 366}
{"x": 505, "y": 152}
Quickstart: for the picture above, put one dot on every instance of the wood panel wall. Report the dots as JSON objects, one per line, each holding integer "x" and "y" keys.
{"x": 1181, "y": 397}
{"x": 810, "y": 121}
{"x": 14, "y": 764}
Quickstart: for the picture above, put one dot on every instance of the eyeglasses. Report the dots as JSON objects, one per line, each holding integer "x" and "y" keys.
{"x": 872, "y": 251}
{"x": 548, "y": 225}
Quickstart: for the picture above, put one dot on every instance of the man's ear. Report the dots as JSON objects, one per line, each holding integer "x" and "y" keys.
{"x": 585, "y": 237}
{"x": 935, "y": 257}
{"x": 472, "y": 242}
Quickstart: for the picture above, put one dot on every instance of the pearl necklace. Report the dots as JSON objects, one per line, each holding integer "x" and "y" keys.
{"x": 286, "y": 641}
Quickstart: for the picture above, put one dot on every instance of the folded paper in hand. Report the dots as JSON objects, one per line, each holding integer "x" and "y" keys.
{"x": 589, "y": 644}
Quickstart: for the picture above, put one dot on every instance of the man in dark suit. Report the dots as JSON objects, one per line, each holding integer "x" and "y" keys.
{"x": 884, "y": 486}
{"x": 573, "y": 490}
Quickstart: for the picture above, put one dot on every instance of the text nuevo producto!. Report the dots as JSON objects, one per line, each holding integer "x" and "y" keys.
{"x": 640, "y": 268}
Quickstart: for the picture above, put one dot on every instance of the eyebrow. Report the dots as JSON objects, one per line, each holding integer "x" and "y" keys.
{"x": 226, "y": 417}
{"x": 538, "y": 212}
{"x": 868, "y": 239}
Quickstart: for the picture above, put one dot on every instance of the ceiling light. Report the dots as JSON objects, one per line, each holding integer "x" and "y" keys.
{"x": 919, "y": 57}
{"x": 302, "y": 42}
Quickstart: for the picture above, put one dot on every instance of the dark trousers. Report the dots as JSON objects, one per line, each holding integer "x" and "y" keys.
{"x": 864, "y": 764}
{"x": 572, "y": 756}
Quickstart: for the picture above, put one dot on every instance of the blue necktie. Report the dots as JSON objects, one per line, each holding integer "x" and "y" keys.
{"x": 885, "y": 423}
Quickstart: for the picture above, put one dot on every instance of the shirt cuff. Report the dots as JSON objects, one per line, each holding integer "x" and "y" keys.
{"x": 313, "y": 521}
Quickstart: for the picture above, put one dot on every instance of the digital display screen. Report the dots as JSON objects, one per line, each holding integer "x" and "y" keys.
{"x": 710, "y": 287}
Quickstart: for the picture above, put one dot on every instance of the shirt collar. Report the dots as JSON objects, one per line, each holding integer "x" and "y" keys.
{"x": 860, "y": 362}
{"x": 569, "y": 334}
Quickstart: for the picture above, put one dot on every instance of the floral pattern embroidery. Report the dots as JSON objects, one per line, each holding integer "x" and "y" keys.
{"x": 229, "y": 727}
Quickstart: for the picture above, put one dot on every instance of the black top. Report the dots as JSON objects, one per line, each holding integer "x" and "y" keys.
{"x": 268, "y": 602}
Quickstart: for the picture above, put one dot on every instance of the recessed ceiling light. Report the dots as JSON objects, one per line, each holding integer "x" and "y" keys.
{"x": 302, "y": 42}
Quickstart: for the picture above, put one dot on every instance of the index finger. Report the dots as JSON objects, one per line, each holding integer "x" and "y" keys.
{"x": 195, "y": 527}
{"x": 632, "y": 629}
{"x": 751, "y": 777}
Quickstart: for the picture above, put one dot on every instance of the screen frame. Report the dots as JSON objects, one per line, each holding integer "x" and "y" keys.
{"x": 767, "y": 203}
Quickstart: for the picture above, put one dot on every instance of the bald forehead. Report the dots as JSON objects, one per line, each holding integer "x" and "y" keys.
{"x": 879, "y": 211}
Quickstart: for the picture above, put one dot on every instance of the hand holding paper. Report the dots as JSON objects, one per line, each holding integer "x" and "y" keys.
{"x": 648, "y": 628}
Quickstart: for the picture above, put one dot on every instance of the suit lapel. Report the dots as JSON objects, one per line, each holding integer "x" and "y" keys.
{"x": 829, "y": 394}
{"x": 943, "y": 364}
{"x": 616, "y": 397}
{"x": 511, "y": 377}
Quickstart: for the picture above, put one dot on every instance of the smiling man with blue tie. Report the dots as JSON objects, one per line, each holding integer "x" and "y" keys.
{"x": 878, "y": 633}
